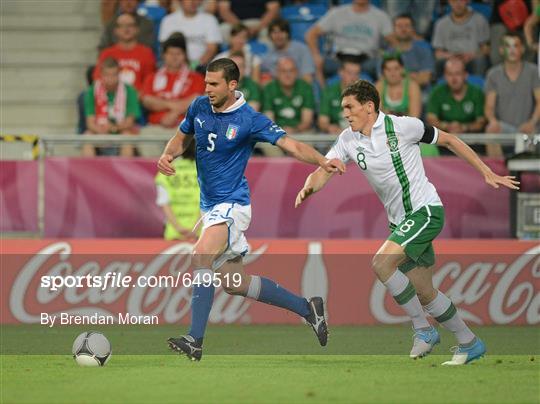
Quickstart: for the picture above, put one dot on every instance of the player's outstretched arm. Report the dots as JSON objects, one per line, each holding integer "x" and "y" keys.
{"x": 314, "y": 183}
{"x": 461, "y": 149}
{"x": 308, "y": 154}
{"x": 174, "y": 148}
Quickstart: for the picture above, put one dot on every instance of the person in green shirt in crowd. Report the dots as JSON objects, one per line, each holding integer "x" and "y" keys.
{"x": 289, "y": 100}
{"x": 331, "y": 119}
{"x": 457, "y": 106}
{"x": 248, "y": 86}
{"x": 111, "y": 107}
{"x": 178, "y": 196}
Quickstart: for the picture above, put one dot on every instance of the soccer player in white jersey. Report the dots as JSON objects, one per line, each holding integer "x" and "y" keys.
{"x": 225, "y": 129}
{"x": 386, "y": 149}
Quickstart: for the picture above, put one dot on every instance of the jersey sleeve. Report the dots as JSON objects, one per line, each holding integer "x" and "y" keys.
{"x": 413, "y": 130}
{"x": 187, "y": 126}
{"x": 338, "y": 150}
{"x": 265, "y": 130}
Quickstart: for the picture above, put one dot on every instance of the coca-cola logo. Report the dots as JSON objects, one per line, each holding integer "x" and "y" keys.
{"x": 508, "y": 298}
{"x": 170, "y": 304}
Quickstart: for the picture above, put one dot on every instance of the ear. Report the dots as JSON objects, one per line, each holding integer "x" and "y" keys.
{"x": 233, "y": 85}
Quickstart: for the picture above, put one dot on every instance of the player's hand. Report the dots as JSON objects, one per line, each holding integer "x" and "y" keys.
{"x": 495, "y": 180}
{"x": 164, "y": 165}
{"x": 303, "y": 195}
{"x": 333, "y": 166}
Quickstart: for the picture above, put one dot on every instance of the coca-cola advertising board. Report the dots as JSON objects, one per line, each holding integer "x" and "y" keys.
{"x": 491, "y": 281}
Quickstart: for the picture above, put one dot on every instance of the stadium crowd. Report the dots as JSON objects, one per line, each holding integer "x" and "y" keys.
{"x": 466, "y": 67}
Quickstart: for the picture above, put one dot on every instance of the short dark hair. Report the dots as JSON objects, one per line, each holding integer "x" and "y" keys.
{"x": 363, "y": 91}
{"x": 512, "y": 34}
{"x": 345, "y": 58}
{"x": 109, "y": 63}
{"x": 227, "y": 66}
{"x": 237, "y": 28}
{"x": 282, "y": 24}
{"x": 392, "y": 57}
{"x": 175, "y": 40}
{"x": 404, "y": 15}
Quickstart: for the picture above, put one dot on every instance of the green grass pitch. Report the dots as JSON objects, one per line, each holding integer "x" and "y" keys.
{"x": 267, "y": 364}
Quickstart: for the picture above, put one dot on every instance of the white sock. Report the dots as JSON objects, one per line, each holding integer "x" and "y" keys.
{"x": 404, "y": 294}
{"x": 254, "y": 289}
{"x": 443, "y": 310}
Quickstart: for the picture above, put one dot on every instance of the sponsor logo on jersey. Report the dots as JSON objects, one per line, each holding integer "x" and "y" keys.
{"x": 232, "y": 131}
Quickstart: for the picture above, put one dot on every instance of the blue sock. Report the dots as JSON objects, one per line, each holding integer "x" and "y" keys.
{"x": 201, "y": 303}
{"x": 272, "y": 293}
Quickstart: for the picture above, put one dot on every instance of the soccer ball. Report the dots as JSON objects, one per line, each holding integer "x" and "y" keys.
{"x": 91, "y": 349}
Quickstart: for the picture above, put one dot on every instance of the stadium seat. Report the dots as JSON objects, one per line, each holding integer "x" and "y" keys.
{"x": 475, "y": 80}
{"x": 258, "y": 48}
{"x": 155, "y": 14}
{"x": 301, "y": 17}
{"x": 335, "y": 78}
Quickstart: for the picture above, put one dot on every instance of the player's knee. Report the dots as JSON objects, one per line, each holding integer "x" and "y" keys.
{"x": 380, "y": 265}
{"x": 202, "y": 257}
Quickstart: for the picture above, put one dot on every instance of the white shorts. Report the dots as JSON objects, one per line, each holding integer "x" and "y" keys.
{"x": 237, "y": 218}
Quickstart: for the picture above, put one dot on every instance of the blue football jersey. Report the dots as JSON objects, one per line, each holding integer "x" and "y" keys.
{"x": 224, "y": 143}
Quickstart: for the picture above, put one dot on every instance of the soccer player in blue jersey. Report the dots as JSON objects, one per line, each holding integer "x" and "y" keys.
{"x": 226, "y": 129}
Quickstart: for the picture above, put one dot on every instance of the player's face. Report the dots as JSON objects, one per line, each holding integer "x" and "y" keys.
{"x": 110, "y": 77}
{"x": 349, "y": 73}
{"x": 174, "y": 58}
{"x": 512, "y": 49}
{"x": 455, "y": 75}
{"x": 393, "y": 72}
{"x": 355, "y": 113}
{"x": 217, "y": 89}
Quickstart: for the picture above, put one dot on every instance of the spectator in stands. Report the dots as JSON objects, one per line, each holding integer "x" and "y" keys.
{"x": 512, "y": 93}
{"x": 178, "y": 196}
{"x": 282, "y": 45}
{"x": 145, "y": 33}
{"x": 238, "y": 42}
{"x": 399, "y": 94}
{"x": 200, "y": 29}
{"x": 250, "y": 89}
{"x": 111, "y": 107}
{"x": 422, "y": 10}
{"x": 416, "y": 54}
{"x": 330, "y": 118}
{"x": 463, "y": 33}
{"x": 530, "y": 28}
{"x": 457, "y": 106}
{"x": 136, "y": 61}
{"x": 255, "y": 14}
{"x": 288, "y": 100}
{"x": 168, "y": 93}
{"x": 356, "y": 29}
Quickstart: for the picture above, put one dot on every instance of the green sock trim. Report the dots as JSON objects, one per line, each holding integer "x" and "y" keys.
{"x": 448, "y": 314}
{"x": 406, "y": 295}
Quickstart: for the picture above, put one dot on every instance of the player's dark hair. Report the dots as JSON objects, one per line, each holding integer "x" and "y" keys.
{"x": 281, "y": 24}
{"x": 109, "y": 63}
{"x": 363, "y": 91}
{"x": 175, "y": 40}
{"x": 392, "y": 57}
{"x": 227, "y": 66}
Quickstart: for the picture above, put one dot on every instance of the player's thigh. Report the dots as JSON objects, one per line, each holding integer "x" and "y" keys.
{"x": 213, "y": 241}
{"x": 389, "y": 256}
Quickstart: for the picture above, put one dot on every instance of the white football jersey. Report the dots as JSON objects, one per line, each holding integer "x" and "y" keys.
{"x": 390, "y": 159}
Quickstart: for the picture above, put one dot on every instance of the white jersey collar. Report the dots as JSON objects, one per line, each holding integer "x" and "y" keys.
{"x": 380, "y": 120}
{"x": 240, "y": 100}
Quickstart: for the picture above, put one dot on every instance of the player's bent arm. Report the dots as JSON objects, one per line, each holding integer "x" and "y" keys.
{"x": 461, "y": 149}
{"x": 174, "y": 148}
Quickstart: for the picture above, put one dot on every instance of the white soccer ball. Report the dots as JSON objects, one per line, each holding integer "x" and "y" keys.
{"x": 91, "y": 348}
